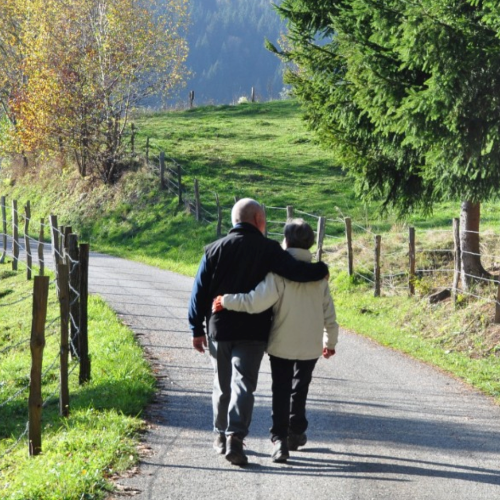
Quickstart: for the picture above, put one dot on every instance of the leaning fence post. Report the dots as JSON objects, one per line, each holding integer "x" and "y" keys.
{"x": 64, "y": 306}
{"x": 219, "y": 216}
{"x": 320, "y": 236}
{"x": 37, "y": 343}
{"x": 85, "y": 362}
{"x": 411, "y": 254}
{"x": 289, "y": 213}
{"x": 41, "y": 260}
{"x": 377, "y": 266}
{"x": 15, "y": 231}
{"x": 74, "y": 287}
{"x": 29, "y": 259}
{"x": 4, "y": 230}
{"x": 348, "y": 235}
{"x": 197, "y": 200}
{"x": 54, "y": 237}
{"x": 162, "y": 169}
{"x": 458, "y": 257}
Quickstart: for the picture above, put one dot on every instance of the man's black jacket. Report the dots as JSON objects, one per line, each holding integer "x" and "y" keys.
{"x": 237, "y": 263}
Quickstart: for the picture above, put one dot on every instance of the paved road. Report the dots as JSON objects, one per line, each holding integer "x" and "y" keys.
{"x": 382, "y": 426}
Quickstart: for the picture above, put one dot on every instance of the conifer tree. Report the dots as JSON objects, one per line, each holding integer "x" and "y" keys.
{"x": 407, "y": 96}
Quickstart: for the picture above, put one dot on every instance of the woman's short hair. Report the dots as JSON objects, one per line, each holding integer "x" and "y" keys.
{"x": 299, "y": 234}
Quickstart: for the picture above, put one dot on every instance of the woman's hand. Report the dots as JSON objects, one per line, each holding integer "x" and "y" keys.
{"x": 328, "y": 353}
{"x": 217, "y": 304}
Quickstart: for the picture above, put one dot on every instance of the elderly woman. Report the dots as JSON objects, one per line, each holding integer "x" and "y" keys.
{"x": 304, "y": 328}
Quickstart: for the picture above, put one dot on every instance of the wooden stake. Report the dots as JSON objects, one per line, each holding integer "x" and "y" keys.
{"x": 74, "y": 281}
{"x": 64, "y": 307}
{"x": 411, "y": 254}
{"x": 15, "y": 231}
{"x": 4, "y": 230}
{"x": 84, "y": 375}
{"x": 350, "y": 256}
{"x": 289, "y": 213}
{"x": 320, "y": 236}
{"x": 41, "y": 246}
{"x": 37, "y": 344}
{"x": 458, "y": 257}
{"x": 29, "y": 259}
{"x": 377, "y": 266}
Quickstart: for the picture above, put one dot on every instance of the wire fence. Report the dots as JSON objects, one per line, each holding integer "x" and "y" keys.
{"x": 392, "y": 267}
{"x": 55, "y": 337}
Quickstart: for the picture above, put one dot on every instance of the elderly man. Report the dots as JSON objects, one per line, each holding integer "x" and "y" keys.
{"x": 237, "y": 341}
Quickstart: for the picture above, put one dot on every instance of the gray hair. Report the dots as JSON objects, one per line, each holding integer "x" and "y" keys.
{"x": 299, "y": 234}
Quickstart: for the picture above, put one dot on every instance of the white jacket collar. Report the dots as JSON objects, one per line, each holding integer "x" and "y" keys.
{"x": 300, "y": 254}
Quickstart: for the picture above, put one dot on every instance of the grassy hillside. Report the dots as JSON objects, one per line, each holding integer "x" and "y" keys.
{"x": 263, "y": 151}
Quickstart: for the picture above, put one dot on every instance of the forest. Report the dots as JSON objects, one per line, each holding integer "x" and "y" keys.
{"x": 227, "y": 56}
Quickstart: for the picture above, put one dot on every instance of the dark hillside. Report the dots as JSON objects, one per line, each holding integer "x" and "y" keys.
{"x": 227, "y": 54}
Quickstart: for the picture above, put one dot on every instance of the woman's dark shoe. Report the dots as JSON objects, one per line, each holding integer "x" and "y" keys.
{"x": 280, "y": 451}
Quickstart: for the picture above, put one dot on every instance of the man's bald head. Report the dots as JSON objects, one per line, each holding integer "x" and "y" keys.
{"x": 250, "y": 211}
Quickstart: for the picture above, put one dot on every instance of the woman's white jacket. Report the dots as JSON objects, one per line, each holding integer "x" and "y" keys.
{"x": 304, "y": 319}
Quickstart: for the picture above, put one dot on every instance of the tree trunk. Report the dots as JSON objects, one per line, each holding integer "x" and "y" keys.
{"x": 470, "y": 216}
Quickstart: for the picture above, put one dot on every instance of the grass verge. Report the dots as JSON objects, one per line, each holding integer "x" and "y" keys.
{"x": 98, "y": 439}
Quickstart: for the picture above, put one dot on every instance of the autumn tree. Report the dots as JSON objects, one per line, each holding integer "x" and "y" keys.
{"x": 406, "y": 94}
{"x": 83, "y": 66}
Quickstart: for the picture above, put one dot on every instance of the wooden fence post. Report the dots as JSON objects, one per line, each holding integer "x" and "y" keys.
{"x": 219, "y": 216}
{"x": 411, "y": 254}
{"x": 132, "y": 138}
{"x": 74, "y": 291}
{"x": 85, "y": 361}
{"x": 64, "y": 306}
{"x": 66, "y": 232}
{"x": 265, "y": 218}
{"x": 41, "y": 259}
{"x": 29, "y": 259}
{"x": 37, "y": 343}
{"x": 147, "y": 150}
{"x": 197, "y": 200}
{"x": 289, "y": 213}
{"x": 320, "y": 236}
{"x": 252, "y": 94}
{"x": 458, "y": 257}
{"x": 61, "y": 242}
{"x": 4, "y": 230}
{"x": 15, "y": 232}
{"x": 191, "y": 99}
{"x": 348, "y": 235}
{"x": 376, "y": 270}
{"x": 54, "y": 238}
{"x": 497, "y": 305}
{"x": 162, "y": 169}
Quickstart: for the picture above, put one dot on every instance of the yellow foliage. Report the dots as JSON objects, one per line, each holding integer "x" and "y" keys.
{"x": 74, "y": 69}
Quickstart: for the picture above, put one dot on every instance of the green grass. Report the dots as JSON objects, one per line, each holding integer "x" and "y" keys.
{"x": 99, "y": 437}
{"x": 256, "y": 150}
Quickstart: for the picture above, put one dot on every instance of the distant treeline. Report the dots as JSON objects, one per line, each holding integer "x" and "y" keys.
{"x": 226, "y": 50}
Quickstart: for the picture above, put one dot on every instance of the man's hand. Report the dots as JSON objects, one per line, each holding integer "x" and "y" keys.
{"x": 200, "y": 343}
{"x": 217, "y": 304}
{"x": 328, "y": 353}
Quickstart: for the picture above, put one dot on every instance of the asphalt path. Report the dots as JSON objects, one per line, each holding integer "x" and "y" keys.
{"x": 382, "y": 426}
